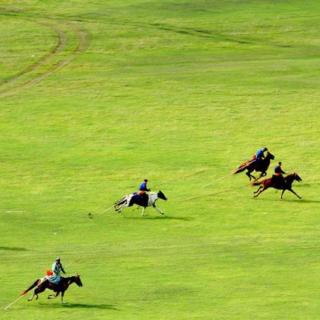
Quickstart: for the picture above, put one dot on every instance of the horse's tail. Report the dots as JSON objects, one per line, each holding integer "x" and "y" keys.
{"x": 258, "y": 182}
{"x": 36, "y": 283}
{"x": 240, "y": 169}
{"x": 243, "y": 166}
{"x": 120, "y": 201}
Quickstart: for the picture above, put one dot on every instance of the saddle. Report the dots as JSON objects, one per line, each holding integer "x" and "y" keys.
{"x": 140, "y": 199}
{"x": 54, "y": 279}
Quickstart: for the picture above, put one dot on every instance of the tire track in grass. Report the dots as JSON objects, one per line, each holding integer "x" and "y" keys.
{"x": 17, "y": 82}
{"x": 58, "y": 47}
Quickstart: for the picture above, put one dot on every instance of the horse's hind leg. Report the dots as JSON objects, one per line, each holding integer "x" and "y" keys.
{"x": 119, "y": 205}
{"x": 35, "y": 293}
{"x": 248, "y": 173}
{"x": 142, "y": 211}
{"x": 263, "y": 174}
{"x": 30, "y": 299}
{"x": 260, "y": 187}
{"x": 258, "y": 193}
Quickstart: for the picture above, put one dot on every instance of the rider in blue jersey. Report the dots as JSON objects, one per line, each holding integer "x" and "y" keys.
{"x": 260, "y": 153}
{"x": 143, "y": 188}
{"x": 56, "y": 268}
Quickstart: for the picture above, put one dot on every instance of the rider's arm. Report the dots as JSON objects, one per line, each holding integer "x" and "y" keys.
{"x": 62, "y": 270}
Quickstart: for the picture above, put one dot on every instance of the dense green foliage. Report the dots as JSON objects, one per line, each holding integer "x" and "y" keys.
{"x": 97, "y": 95}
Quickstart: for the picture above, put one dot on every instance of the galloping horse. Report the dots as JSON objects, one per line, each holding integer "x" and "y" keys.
{"x": 253, "y": 165}
{"x": 148, "y": 200}
{"x": 61, "y": 287}
{"x": 269, "y": 183}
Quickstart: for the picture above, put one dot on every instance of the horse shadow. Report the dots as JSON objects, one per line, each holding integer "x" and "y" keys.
{"x": 13, "y": 249}
{"x": 289, "y": 200}
{"x": 158, "y": 218}
{"x": 68, "y": 305}
{"x": 304, "y": 200}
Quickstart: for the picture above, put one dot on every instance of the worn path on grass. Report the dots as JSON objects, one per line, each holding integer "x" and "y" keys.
{"x": 57, "y": 57}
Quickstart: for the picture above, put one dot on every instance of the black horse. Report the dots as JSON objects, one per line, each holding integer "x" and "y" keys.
{"x": 61, "y": 287}
{"x": 284, "y": 185}
{"x": 254, "y": 165}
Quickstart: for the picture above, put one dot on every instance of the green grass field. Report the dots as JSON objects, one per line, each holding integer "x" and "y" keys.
{"x": 97, "y": 95}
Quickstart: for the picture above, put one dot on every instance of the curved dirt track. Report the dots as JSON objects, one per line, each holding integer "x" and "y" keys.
{"x": 57, "y": 57}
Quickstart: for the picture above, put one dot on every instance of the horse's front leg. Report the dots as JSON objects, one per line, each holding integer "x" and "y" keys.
{"x": 249, "y": 175}
{"x": 62, "y": 295}
{"x": 157, "y": 209}
{"x": 295, "y": 193}
{"x": 142, "y": 211}
{"x": 263, "y": 174}
{"x": 282, "y": 193}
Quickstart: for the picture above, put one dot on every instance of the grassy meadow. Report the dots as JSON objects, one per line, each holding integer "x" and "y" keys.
{"x": 97, "y": 95}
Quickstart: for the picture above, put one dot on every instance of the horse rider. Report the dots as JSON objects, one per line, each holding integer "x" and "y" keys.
{"x": 143, "y": 188}
{"x": 259, "y": 156}
{"x": 53, "y": 275}
{"x": 277, "y": 177}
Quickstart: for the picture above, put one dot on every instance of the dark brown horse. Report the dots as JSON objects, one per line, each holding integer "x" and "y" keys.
{"x": 61, "y": 287}
{"x": 254, "y": 165}
{"x": 277, "y": 184}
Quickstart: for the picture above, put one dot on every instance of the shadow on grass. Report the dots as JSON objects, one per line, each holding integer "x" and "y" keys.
{"x": 158, "y": 218}
{"x": 304, "y": 200}
{"x": 288, "y": 200}
{"x": 13, "y": 249}
{"x": 101, "y": 306}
